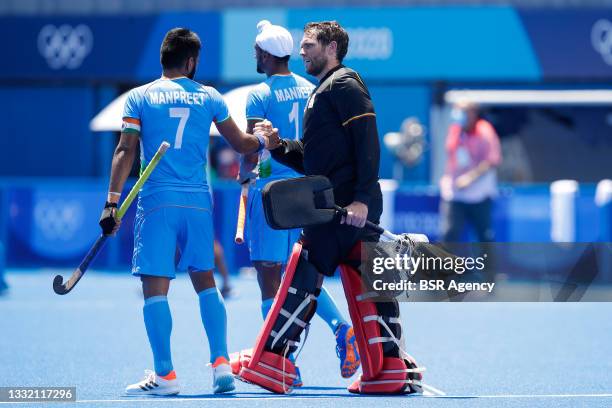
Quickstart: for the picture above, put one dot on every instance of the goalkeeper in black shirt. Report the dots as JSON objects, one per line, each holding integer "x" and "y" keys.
{"x": 339, "y": 141}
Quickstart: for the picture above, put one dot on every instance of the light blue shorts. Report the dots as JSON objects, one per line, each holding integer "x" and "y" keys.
{"x": 265, "y": 243}
{"x": 173, "y": 231}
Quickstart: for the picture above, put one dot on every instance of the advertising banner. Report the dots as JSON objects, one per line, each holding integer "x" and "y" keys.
{"x": 48, "y": 222}
{"x": 460, "y": 43}
{"x": 106, "y": 48}
{"x": 582, "y": 37}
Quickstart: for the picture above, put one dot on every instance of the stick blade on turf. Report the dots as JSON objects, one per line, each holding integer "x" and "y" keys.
{"x": 58, "y": 285}
{"x": 62, "y": 288}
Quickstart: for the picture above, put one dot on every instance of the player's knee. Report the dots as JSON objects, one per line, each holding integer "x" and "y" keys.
{"x": 268, "y": 277}
{"x": 202, "y": 280}
{"x": 154, "y": 286}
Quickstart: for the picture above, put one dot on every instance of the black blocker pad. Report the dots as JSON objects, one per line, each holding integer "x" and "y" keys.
{"x": 298, "y": 202}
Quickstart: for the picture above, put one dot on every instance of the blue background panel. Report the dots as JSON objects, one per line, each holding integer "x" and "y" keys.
{"x": 571, "y": 43}
{"x": 110, "y": 50}
{"x": 52, "y": 140}
{"x": 429, "y": 43}
{"x": 206, "y": 25}
{"x": 393, "y": 104}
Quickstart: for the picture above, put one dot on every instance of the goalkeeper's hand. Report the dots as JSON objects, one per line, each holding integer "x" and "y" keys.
{"x": 356, "y": 214}
{"x": 109, "y": 222}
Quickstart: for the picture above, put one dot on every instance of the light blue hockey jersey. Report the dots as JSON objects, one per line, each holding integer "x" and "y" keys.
{"x": 281, "y": 99}
{"x": 179, "y": 111}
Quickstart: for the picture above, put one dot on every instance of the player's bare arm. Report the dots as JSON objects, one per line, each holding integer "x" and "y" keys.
{"x": 248, "y": 143}
{"x": 123, "y": 159}
{"x": 249, "y": 161}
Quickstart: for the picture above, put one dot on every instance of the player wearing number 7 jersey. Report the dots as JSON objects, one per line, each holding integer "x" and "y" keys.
{"x": 174, "y": 206}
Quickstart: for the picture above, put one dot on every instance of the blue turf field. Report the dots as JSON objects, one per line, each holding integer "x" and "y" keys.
{"x": 480, "y": 354}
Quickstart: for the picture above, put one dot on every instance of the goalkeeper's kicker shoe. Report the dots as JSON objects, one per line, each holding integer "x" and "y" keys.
{"x": 154, "y": 384}
{"x": 223, "y": 379}
{"x": 346, "y": 350}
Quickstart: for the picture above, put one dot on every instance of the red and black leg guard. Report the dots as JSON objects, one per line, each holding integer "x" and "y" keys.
{"x": 387, "y": 369}
{"x": 294, "y": 305}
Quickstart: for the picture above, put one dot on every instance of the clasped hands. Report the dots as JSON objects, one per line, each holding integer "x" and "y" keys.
{"x": 269, "y": 133}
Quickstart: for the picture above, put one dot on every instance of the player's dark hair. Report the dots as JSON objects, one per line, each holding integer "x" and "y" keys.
{"x": 179, "y": 44}
{"x": 282, "y": 60}
{"x": 278, "y": 60}
{"x": 328, "y": 31}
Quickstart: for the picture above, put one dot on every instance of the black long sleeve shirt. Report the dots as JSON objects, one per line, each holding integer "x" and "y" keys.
{"x": 340, "y": 140}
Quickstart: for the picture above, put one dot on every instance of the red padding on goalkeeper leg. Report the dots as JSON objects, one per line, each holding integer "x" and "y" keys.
{"x": 371, "y": 354}
{"x": 271, "y": 371}
{"x": 260, "y": 367}
{"x": 279, "y": 300}
{"x": 391, "y": 379}
{"x": 240, "y": 359}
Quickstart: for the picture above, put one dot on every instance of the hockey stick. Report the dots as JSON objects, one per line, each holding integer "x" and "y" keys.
{"x": 387, "y": 236}
{"x": 244, "y": 192}
{"x": 62, "y": 288}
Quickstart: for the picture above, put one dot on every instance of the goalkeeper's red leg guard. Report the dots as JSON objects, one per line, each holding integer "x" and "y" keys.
{"x": 388, "y": 369}
{"x": 294, "y": 305}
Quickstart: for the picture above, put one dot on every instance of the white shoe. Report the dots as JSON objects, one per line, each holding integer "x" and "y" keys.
{"x": 153, "y": 384}
{"x": 223, "y": 379}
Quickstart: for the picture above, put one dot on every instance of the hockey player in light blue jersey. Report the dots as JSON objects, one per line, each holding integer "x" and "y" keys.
{"x": 281, "y": 99}
{"x": 174, "y": 205}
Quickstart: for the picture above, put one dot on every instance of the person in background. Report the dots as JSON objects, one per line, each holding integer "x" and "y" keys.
{"x": 469, "y": 183}
{"x": 221, "y": 267}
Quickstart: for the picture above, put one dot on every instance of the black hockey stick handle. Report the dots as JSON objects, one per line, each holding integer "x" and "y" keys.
{"x": 58, "y": 283}
{"x": 369, "y": 224}
{"x": 58, "y": 286}
{"x": 385, "y": 235}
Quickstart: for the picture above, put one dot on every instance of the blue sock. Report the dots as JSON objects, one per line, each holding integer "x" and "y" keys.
{"x": 266, "y": 305}
{"x": 158, "y": 322}
{"x": 328, "y": 311}
{"x": 214, "y": 318}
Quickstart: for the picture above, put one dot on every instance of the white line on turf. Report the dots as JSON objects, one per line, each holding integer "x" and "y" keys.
{"x": 524, "y": 396}
{"x": 237, "y": 398}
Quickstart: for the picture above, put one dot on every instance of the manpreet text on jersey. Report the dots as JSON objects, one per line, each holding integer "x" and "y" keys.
{"x": 172, "y": 97}
{"x": 293, "y": 93}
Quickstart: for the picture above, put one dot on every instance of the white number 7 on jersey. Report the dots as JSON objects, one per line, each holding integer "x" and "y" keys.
{"x": 182, "y": 113}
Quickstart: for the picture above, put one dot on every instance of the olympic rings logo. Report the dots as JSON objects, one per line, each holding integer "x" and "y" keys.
{"x": 58, "y": 219}
{"x": 601, "y": 38}
{"x": 65, "y": 46}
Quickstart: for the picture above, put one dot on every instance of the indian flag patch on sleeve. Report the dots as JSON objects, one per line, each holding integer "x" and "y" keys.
{"x": 130, "y": 125}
